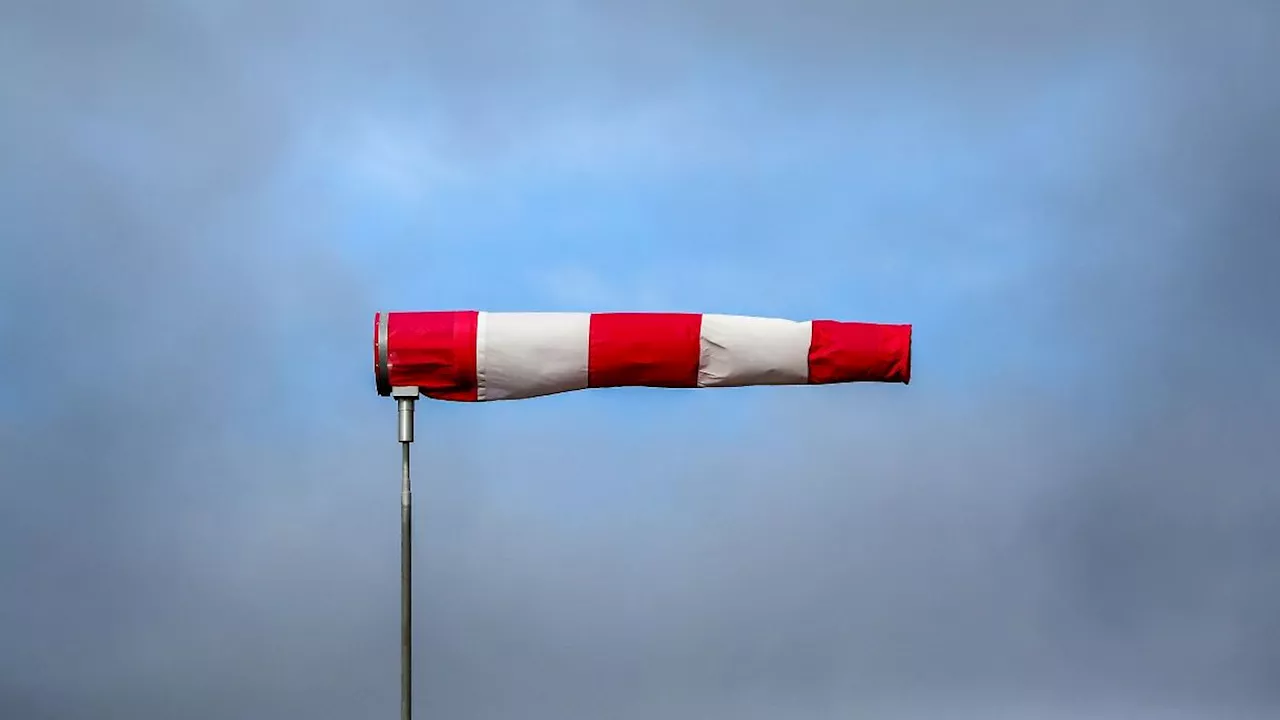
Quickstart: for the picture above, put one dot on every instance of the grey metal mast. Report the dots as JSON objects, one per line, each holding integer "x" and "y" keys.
{"x": 405, "y": 397}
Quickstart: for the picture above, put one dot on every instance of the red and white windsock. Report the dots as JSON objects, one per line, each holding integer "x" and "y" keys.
{"x": 476, "y": 356}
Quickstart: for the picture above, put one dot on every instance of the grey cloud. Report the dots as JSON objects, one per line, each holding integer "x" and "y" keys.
{"x": 176, "y": 544}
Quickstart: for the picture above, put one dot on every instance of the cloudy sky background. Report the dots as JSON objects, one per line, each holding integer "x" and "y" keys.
{"x": 1070, "y": 512}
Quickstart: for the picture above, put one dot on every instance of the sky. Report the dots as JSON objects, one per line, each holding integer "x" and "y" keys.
{"x": 1069, "y": 512}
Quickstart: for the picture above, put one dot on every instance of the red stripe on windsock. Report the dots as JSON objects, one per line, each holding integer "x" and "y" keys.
{"x": 859, "y": 352}
{"x": 435, "y": 351}
{"x": 649, "y": 349}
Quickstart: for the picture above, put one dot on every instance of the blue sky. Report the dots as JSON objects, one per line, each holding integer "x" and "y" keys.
{"x": 1068, "y": 513}
{"x": 914, "y": 212}
{"x": 888, "y": 203}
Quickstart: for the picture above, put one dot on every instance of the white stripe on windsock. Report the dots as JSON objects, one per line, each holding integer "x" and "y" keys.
{"x": 739, "y": 350}
{"x": 521, "y": 355}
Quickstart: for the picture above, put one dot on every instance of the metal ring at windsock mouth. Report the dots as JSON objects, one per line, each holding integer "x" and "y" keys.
{"x": 381, "y": 370}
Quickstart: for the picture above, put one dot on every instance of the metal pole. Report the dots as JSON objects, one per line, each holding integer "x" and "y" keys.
{"x": 405, "y": 398}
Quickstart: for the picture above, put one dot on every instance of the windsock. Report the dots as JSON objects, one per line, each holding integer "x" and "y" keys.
{"x": 474, "y": 356}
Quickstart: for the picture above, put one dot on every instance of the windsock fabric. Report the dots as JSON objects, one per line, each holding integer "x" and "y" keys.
{"x": 475, "y": 356}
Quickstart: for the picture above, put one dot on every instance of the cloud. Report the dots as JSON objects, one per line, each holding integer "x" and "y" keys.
{"x": 199, "y": 516}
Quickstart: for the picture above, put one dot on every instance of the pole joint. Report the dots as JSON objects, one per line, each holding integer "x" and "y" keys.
{"x": 405, "y": 397}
